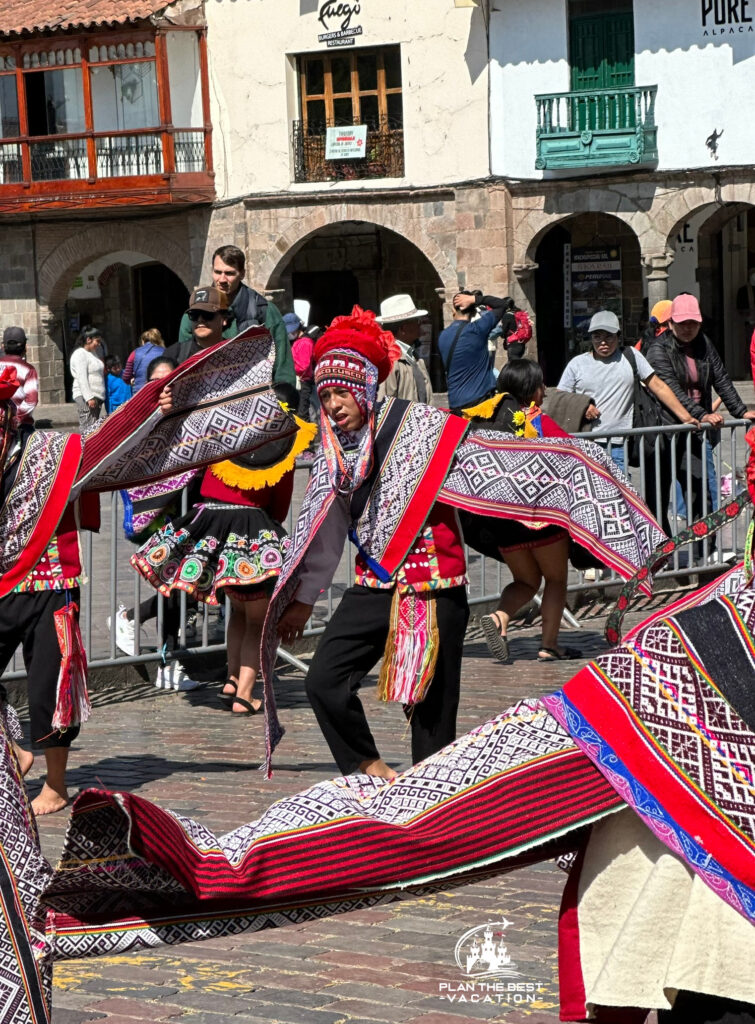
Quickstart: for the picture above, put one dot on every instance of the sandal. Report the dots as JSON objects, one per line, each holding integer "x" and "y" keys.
{"x": 551, "y": 654}
{"x": 250, "y": 708}
{"x": 498, "y": 644}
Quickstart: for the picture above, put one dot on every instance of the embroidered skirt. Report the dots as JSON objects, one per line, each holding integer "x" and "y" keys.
{"x": 213, "y": 547}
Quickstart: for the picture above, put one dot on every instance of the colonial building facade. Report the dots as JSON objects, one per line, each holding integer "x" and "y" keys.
{"x": 618, "y": 127}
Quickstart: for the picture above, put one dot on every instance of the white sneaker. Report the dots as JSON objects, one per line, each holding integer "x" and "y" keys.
{"x": 172, "y": 676}
{"x": 124, "y": 631}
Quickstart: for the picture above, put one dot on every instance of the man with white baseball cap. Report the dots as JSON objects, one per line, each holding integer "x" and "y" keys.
{"x": 409, "y": 378}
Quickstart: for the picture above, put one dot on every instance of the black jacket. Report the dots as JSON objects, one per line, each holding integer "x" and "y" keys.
{"x": 666, "y": 356}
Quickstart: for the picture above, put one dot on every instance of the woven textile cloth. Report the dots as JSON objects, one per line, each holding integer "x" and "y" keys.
{"x": 224, "y": 405}
{"x": 35, "y": 503}
{"x": 25, "y": 974}
{"x": 564, "y": 481}
{"x": 493, "y": 796}
{"x": 669, "y": 718}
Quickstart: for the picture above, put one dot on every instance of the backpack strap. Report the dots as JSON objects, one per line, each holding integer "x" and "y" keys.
{"x": 454, "y": 343}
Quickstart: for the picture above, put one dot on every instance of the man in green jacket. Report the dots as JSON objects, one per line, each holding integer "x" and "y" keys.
{"x": 248, "y": 308}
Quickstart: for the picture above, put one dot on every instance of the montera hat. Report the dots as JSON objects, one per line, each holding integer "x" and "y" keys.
{"x": 397, "y": 308}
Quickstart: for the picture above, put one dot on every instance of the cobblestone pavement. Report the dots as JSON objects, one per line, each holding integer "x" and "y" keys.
{"x": 390, "y": 964}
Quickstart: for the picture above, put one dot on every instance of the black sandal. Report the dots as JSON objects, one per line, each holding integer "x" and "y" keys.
{"x": 498, "y": 645}
{"x": 250, "y": 708}
{"x": 570, "y": 654}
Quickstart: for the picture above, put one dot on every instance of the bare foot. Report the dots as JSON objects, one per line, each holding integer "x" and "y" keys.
{"x": 378, "y": 768}
{"x": 229, "y": 688}
{"x": 25, "y": 758}
{"x": 49, "y": 801}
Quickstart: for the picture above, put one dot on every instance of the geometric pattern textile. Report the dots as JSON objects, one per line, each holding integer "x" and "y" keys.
{"x": 223, "y": 405}
{"x": 25, "y": 981}
{"x": 500, "y": 792}
{"x": 665, "y": 733}
{"x": 35, "y": 503}
{"x": 565, "y": 481}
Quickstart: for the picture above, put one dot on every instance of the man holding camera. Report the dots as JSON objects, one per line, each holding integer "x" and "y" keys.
{"x": 463, "y": 347}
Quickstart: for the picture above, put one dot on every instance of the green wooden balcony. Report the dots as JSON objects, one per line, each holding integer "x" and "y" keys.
{"x": 600, "y": 128}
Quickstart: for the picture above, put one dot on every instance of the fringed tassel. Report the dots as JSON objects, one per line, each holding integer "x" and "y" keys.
{"x": 234, "y": 475}
{"x": 411, "y": 651}
{"x": 484, "y": 410}
{"x": 72, "y": 705}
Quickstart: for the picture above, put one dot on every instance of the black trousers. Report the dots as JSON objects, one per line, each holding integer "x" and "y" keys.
{"x": 695, "y": 1008}
{"x": 353, "y": 643}
{"x": 668, "y": 480}
{"x": 28, "y": 619}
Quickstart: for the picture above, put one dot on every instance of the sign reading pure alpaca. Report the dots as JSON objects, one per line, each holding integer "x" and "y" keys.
{"x": 336, "y": 18}
{"x": 725, "y": 16}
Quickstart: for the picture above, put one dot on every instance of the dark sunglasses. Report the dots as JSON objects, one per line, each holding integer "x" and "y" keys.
{"x": 201, "y": 314}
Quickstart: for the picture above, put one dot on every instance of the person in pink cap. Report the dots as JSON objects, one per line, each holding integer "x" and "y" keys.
{"x": 687, "y": 361}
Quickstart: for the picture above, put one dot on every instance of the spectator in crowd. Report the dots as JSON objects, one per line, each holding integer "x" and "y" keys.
{"x": 657, "y": 325}
{"x": 151, "y": 345}
{"x": 606, "y": 375}
{"x": 409, "y": 378}
{"x": 685, "y": 359}
{"x": 516, "y": 329}
{"x": 117, "y": 391}
{"x": 27, "y": 393}
{"x": 88, "y": 373}
{"x": 247, "y": 308}
{"x": 208, "y": 307}
{"x": 463, "y": 347}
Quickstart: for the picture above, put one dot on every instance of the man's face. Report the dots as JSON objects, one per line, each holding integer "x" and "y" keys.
{"x": 686, "y": 331}
{"x": 408, "y": 331}
{"x": 225, "y": 277}
{"x": 207, "y": 327}
{"x": 341, "y": 407}
{"x": 604, "y": 344}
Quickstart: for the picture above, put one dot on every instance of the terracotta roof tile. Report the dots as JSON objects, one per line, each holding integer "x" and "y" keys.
{"x": 17, "y": 16}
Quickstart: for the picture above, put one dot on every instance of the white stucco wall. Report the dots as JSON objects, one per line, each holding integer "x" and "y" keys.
{"x": 529, "y": 43}
{"x": 253, "y": 87}
{"x": 705, "y": 82}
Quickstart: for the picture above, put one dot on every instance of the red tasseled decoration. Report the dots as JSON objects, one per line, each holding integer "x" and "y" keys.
{"x": 72, "y": 706}
{"x": 361, "y": 333}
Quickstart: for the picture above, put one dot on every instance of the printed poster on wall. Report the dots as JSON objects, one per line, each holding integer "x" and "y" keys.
{"x": 595, "y": 283}
{"x": 348, "y": 143}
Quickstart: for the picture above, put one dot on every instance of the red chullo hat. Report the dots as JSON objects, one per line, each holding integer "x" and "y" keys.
{"x": 360, "y": 333}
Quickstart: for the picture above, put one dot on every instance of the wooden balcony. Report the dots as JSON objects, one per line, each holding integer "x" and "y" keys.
{"x": 602, "y": 128}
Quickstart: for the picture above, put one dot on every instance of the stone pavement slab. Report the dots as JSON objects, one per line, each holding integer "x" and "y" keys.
{"x": 392, "y": 964}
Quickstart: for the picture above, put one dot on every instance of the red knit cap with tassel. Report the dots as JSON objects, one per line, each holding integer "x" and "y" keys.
{"x": 361, "y": 333}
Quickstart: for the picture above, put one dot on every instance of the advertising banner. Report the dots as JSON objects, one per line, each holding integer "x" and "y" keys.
{"x": 349, "y": 143}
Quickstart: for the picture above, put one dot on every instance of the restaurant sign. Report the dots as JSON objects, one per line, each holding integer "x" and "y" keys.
{"x": 337, "y": 18}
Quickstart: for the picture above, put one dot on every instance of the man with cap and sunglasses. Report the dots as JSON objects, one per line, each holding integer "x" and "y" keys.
{"x": 409, "y": 378}
{"x": 209, "y": 315}
{"x": 686, "y": 360}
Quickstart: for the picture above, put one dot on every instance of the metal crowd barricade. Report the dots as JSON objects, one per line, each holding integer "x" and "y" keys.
{"x": 110, "y": 581}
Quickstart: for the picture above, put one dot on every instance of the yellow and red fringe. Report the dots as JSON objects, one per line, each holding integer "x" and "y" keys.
{"x": 246, "y": 479}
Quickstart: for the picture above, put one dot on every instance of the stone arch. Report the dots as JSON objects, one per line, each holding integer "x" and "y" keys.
{"x": 81, "y": 248}
{"x": 559, "y": 207}
{"x": 671, "y": 213}
{"x": 392, "y": 218}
